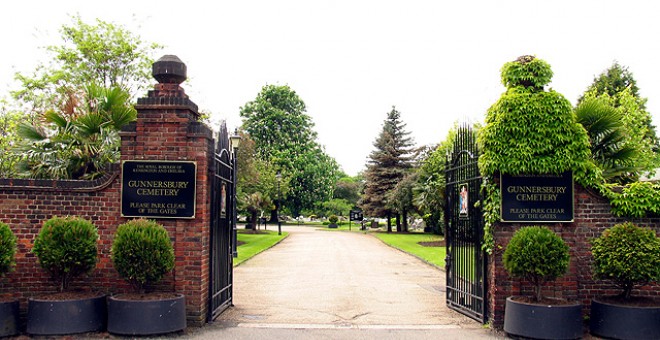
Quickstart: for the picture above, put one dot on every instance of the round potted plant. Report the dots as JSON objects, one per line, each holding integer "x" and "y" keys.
{"x": 8, "y": 305}
{"x": 538, "y": 255}
{"x": 628, "y": 256}
{"x": 142, "y": 254}
{"x": 333, "y": 221}
{"x": 66, "y": 247}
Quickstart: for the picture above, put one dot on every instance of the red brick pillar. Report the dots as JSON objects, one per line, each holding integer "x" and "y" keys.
{"x": 167, "y": 129}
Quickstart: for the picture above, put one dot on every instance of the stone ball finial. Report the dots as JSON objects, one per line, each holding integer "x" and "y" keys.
{"x": 169, "y": 69}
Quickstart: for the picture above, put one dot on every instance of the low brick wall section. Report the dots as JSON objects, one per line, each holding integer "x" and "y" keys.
{"x": 591, "y": 217}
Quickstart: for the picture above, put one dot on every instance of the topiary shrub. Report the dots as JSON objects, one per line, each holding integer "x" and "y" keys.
{"x": 7, "y": 249}
{"x": 628, "y": 255}
{"x": 142, "y": 253}
{"x": 333, "y": 219}
{"x": 537, "y": 255}
{"x": 66, "y": 247}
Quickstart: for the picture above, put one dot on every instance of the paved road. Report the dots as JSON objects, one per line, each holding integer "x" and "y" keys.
{"x": 334, "y": 285}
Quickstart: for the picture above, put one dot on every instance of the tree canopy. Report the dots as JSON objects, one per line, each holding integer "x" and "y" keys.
{"x": 104, "y": 54}
{"x": 388, "y": 164}
{"x": 616, "y": 87}
{"x": 73, "y": 104}
{"x": 284, "y": 136}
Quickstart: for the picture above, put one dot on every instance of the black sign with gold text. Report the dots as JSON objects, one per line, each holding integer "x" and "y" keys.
{"x": 537, "y": 198}
{"x": 158, "y": 189}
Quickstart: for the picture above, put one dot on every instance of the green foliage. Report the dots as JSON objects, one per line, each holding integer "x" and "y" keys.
{"x": 66, "y": 248}
{"x": 333, "y": 219}
{"x": 528, "y": 72}
{"x": 610, "y": 149}
{"x": 490, "y": 207}
{"x": 429, "y": 191}
{"x": 531, "y": 131}
{"x": 388, "y": 164}
{"x": 638, "y": 199}
{"x": 9, "y": 122}
{"x": 104, "y": 54}
{"x": 628, "y": 255}
{"x": 142, "y": 253}
{"x": 619, "y": 88}
{"x": 7, "y": 249}
{"x": 537, "y": 255}
{"x": 80, "y": 139}
{"x": 283, "y": 137}
{"x": 336, "y": 206}
{"x": 348, "y": 189}
{"x": 614, "y": 80}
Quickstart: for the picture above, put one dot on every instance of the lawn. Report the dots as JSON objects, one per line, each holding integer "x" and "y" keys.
{"x": 409, "y": 243}
{"x": 253, "y": 244}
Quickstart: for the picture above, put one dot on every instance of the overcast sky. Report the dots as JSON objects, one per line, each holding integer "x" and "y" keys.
{"x": 351, "y": 60}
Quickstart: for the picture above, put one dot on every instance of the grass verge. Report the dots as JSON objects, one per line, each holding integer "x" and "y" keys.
{"x": 253, "y": 244}
{"x": 409, "y": 243}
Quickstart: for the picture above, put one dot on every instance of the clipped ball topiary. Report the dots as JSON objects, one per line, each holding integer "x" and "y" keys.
{"x": 7, "y": 249}
{"x": 538, "y": 255}
{"x": 526, "y": 71}
{"x": 333, "y": 219}
{"x": 142, "y": 253}
{"x": 66, "y": 248}
{"x": 628, "y": 255}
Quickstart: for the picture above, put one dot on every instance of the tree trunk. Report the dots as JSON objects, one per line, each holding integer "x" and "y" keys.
{"x": 253, "y": 220}
{"x": 398, "y": 223}
{"x": 405, "y": 221}
{"x": 389, "y": 223}
{"x": 273, "y": 215}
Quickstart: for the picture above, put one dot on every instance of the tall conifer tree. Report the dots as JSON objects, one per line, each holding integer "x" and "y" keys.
{"x": 388, "y": 164}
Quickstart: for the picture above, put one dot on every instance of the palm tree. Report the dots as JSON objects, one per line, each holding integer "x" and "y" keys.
{"x": 254, "y": 204}
{"x": 80, "y": 139}
{"x": 608, "y": 137}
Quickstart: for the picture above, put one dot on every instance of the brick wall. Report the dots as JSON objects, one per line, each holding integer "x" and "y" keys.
{"x": 167, "y": 128}
{"x": 591, "y": 217}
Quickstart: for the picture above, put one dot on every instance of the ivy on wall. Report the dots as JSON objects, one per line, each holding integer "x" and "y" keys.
{"x": 530, "y": 130}
{"x": 638, "y": 199}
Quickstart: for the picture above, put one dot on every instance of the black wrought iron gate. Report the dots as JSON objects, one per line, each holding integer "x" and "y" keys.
{"x": 222, "y": 225}
{"x": 465, "y": 261}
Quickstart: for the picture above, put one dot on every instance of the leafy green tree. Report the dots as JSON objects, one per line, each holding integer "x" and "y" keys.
{"x": 9, "y": 121}
{"x": 284, "y": 136}
{"x": 613, "y": 81}
{"x": 348, "y": 188}
{"x": 73, "y": 104}
{"x": 401, "y": 197}
{"x": 388, "y": 164}
{"x": 336, "y": 206}
{"x": 255, "y": 203}
{"x": 79, "y": 140}
{"x": 257, "y": 181}
{"x": 103, "y": 54}
{"x": 429, "y": 190}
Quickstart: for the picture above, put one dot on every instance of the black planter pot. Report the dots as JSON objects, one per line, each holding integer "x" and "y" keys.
{"x": 146, "y": 317}
{"x": 56, "y": 317}
{"x": 543, "y": 321}
{"x": 624, "y": 322}
{"x": 9, "y": 318}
